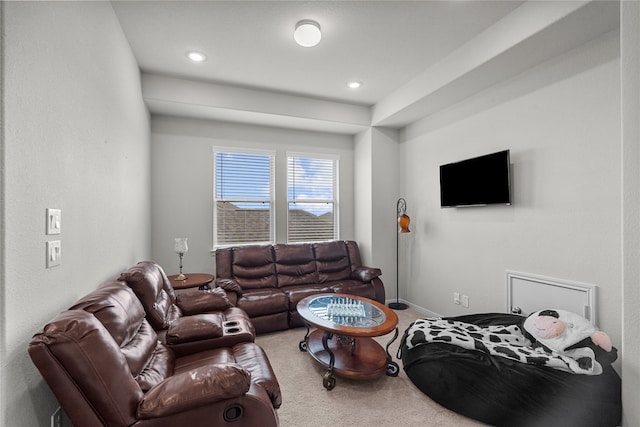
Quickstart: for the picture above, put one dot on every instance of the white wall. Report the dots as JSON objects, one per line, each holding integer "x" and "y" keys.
{"x": 386, "y": 184}
{"x": 630, "y": 52}
{"x": 377, "y": 182}
{"x": 561, "y": 122}
{"x": 182, "y": 181}
{"x": 76, "y": 138}
{"x": 363, "y": 182}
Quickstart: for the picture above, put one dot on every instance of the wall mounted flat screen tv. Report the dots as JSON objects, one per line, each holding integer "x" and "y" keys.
{"x": 479, "y": 181}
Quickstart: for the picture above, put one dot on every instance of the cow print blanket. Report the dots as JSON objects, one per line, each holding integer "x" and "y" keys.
{"x": 503, "y": 341}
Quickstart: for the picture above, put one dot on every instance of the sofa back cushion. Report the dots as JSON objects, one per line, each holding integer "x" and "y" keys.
{"x": 118, "y": 309}
{"x": 295, "y": 264}
{"x": 86, "y": 370}
{"x": 282, "y": 265}
{"x": 354, "y": 254}
{"x": 253, "y": 267}
{"x": 153, "y": 289}
{"x": 332, "y": 261}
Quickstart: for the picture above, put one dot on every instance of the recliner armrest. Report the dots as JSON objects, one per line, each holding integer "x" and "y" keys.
{"x": 366, "y": 274}
{"x": 229, "y": 285}
{"x": 202, "y": 301}
{"x": 195, "y": 328}
{"x": 232, "y": 288}
{"x": 195, "y": 388}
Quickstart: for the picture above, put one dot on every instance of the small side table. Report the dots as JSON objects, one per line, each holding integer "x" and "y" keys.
{"x": 193, "y": 280}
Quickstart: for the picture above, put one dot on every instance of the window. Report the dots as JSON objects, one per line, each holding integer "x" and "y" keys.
{"x": 243, "y": 197}
{"x": 311, "y": 193}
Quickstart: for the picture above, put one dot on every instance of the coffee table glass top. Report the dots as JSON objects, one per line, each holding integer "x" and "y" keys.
{"x": 346, "y": 311}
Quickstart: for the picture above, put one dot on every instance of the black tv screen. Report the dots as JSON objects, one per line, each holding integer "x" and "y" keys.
{"x": 481, "y": 180}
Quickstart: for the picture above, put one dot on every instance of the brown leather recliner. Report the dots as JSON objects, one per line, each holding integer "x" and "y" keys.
{"x": 190, "y": 321}
{"x": 106, "y": 367}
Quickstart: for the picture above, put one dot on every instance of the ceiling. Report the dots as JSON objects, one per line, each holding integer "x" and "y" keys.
{"x": 250, "y": 48}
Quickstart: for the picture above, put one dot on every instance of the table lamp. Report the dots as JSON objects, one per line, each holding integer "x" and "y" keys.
{"x": 181, "y": 248}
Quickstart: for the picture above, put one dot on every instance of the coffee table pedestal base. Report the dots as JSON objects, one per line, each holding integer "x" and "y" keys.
{"x": 362, "y": 359}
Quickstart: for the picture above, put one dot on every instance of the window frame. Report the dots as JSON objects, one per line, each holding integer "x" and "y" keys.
{"x": 335, "y": 192}
{"x": 271, "y": 200}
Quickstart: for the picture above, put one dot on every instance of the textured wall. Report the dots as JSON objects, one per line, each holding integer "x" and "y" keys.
{"x": 630, "y": 51}
{"x": 77, "y": 139}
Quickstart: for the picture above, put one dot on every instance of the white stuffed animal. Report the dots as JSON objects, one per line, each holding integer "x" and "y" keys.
{"x": 557, "y": 330}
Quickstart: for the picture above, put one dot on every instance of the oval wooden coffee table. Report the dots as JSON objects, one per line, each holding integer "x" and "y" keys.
{"x": 343, "y": 340}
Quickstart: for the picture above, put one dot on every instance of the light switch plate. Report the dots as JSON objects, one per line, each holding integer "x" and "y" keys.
{"x": 54, "y": 253}
{"x": 54, "y": 218}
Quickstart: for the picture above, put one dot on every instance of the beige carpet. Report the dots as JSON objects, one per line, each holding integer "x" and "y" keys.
{"x": 382, "y": 402}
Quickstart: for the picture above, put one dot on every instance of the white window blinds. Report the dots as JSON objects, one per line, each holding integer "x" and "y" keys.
{"x": 243, "y": 199}
{"x": 312, "y": 202}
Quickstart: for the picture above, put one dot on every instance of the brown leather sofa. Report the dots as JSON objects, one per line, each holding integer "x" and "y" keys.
{"x": 107, "y": 367}
{"x": 268, "y": 281}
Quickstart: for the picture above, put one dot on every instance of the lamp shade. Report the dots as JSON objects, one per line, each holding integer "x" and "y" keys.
{"x": 307, "y": 33}
{"x": 180, "y": 246}
{"x": 403, "y": 222}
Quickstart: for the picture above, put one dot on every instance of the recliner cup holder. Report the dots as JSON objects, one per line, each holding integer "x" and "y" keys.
{"x": 232, "y": 327}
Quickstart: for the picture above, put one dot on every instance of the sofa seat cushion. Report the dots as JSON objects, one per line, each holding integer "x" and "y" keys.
{"x": 258, "y": 303}
{"x": 354, "y": 287}
{"x": 193, "y": 328}
{"x": 202, "y": 358}
{"x": 247, "y": 355}
{"x": 197, "y": 387}
{"x": 296, "y": 294}
{"x": 158, "y": 367}
{"x": 271, "y": 322}
{"x": 253, "y": 358}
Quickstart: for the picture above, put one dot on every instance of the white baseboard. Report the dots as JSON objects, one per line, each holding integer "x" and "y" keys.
{"x": 421, "y": 310}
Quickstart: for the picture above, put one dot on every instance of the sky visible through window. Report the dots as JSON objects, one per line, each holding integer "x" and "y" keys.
{"x": 247, "y": 187}
{"x": 310, "y": 182}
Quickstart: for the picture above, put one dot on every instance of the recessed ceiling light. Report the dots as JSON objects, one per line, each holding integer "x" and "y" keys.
{"x": 196, "y": 56}
{"x": 307, "y": 33}
{"x": 354, "y": 84}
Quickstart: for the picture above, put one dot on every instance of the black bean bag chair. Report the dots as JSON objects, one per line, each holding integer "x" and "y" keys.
{"x": 503, "y": 392}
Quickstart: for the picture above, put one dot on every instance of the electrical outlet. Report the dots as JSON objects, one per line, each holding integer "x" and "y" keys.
{"x": 56, "y": 418}
{"x": 465, "y": 301}
{"x": 456, "y": 298}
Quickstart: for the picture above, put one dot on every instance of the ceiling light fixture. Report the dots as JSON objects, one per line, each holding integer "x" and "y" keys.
{"x": 307, "y": 33}
{"x": 354, "y": 84}
{"x": 196, "y": 56}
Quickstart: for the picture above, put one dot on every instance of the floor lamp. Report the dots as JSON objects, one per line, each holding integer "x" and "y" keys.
{"x": 403, "y": 223}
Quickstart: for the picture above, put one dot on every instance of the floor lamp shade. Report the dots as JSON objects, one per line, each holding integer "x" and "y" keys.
{"x": 403, "y": 224}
